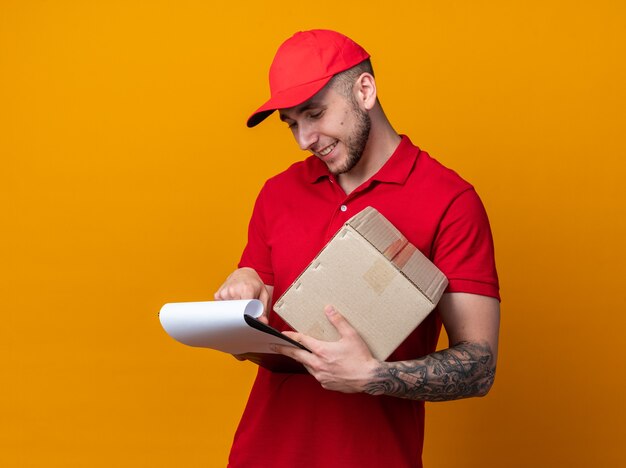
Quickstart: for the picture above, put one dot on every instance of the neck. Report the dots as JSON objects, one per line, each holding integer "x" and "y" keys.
{"x": 381, "y": 144}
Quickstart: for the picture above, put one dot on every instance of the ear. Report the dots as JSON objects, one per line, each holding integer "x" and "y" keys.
{"x": 365, "y": 91}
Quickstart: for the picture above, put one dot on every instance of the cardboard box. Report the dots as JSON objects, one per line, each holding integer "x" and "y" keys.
{"x": 380, "y": 282}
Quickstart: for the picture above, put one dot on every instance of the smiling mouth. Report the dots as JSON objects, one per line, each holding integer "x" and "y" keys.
{"x": 327, "y": 150}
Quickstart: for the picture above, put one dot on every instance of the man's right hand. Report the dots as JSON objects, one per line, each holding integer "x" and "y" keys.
{"x": 245, "y": 283}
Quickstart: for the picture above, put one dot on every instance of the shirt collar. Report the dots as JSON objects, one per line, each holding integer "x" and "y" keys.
{"x": 396, "y": 170}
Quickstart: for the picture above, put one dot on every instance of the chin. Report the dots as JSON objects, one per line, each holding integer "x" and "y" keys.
{"x": 335, "y": 169}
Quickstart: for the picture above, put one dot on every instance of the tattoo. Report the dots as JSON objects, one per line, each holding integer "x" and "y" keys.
{"x": 462, "y": 371}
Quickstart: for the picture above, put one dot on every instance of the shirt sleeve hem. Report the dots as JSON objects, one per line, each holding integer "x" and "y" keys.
{"x": 473, "y": 287}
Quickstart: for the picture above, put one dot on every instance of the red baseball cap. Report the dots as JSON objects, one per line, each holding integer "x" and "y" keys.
{"x": 303, "y": 65}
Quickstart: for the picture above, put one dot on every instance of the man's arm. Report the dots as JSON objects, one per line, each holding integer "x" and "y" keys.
{"x": 465, "y": 369}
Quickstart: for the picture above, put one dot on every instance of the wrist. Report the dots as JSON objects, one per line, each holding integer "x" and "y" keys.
{"x": 374, "y": 369}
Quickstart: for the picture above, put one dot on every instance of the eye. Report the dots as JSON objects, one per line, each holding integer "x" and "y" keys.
{"x": 316, "y": 115}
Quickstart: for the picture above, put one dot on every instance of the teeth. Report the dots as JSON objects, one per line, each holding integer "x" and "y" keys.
{"x": 327, "y": 150}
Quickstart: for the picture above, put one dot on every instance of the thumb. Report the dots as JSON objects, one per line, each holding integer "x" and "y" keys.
{"x": 264, "y": 297}
{"x": 338, "y": 321}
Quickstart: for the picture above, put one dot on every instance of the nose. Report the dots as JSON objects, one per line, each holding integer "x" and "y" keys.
{"x": 306, "y": 136}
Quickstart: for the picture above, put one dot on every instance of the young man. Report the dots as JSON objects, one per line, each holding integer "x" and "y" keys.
{"x": 350, "y": 409}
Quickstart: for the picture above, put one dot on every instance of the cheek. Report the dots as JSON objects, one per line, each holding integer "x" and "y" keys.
{"x": 345, "y": 116}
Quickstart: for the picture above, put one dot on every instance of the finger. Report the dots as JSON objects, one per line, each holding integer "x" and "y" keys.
{"x": 292, "y": 334}
{"x": 236, "y": 291}
{"x": 338, "y": 321}
{"x": 310, "y": 343}
{"x": 299, "y": 355}
{"x": 225, "y": 294}
{"x": 295, "y": 336}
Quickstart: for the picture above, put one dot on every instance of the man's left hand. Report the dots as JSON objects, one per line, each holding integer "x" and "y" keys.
{"x": 346, "y": 365}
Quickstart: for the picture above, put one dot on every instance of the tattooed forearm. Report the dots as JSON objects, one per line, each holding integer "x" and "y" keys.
{"x": 462, "y": 371}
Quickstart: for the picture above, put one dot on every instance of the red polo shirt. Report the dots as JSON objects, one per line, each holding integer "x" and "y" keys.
{"x": 290, "y": 420}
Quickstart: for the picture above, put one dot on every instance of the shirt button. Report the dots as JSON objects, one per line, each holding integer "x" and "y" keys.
{"x": 343, "y": 208}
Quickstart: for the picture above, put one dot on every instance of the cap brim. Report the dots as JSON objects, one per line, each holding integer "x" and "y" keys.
{"x": 289, "y": 98}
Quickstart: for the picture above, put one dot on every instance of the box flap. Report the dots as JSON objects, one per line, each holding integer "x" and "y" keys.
{"x": 390, "y": 242}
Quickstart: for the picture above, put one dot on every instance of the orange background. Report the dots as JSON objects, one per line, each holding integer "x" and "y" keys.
{"x": 128, "y": 177}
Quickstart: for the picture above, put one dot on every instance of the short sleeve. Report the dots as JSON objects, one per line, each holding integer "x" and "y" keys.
{"x": 257, "y": 253}
{"x": 463, "y": 248}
